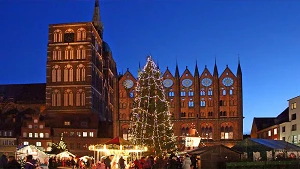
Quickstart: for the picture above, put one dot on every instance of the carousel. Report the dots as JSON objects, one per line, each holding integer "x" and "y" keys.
{"x": 118, "y": 147}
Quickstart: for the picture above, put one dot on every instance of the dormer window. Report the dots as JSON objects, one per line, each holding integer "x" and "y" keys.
{"x": 30, "y": 126}
{"x": 35, "y": 121}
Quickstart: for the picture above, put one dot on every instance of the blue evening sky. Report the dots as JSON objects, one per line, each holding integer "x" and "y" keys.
{"x": 265, "y": 34}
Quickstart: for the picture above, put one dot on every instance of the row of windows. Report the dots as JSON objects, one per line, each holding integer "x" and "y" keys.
{"x": 205, "y": 132}
{"x": 191, "y": 114}
{"x": 294, "y": 128}
{"x": 182, "y": 93}
{"x": 274, "y": 132}
{"x": 82, "y": 123}
{"x": 68, "y": 98}
{"x": 39, "y": 144}
{"x": 68, "y": 73}
{"x": 202, "y": 114}
{"x": 184, "y": 114}
{"x": 7, "y": 143}
{"x": 58, "y": 34}
{"x": 46, "y": 135}
{"x": 36, "y": 135}
{"x": 202, "y": 93}
{"x": 68, "y": 53}
{"x": 203, "y": 103}
{"x": 124, "y": 105}
{"x": 35, "y": 126}
{"x": 79, "y": 134}
{"x": 6, "y": 133}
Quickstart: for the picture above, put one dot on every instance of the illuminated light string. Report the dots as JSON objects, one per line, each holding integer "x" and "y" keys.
{"x": 151, "y": 112}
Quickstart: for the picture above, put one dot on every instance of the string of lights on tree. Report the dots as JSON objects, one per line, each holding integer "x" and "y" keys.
{"x": 150, "y": 124}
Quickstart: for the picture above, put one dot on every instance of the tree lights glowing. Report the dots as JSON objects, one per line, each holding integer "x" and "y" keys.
{"x": 150, "y": 124}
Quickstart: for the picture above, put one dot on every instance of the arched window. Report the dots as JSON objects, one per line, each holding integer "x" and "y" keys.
{"x": 202, "y": 92}
{"x": 202, "y": 103}
{"x": 81, "y": 53}
{"x": 69, "y": 31}
{"x": 210, "y": 102}
{"x": 56, "y": 54}
{"x": 206, "y": 132}
{"x": 68, "y": 98}
{"x": 80, "y": 98}
{"x": 56, "y": 98}
{"x": 126, "y": 133}
{"x": 68, "y": 73}
{"x": 69, "y": 53}
{"x": 191, "y": 103}
{"x": 223, "y": 113}
{"x": 226, "y": 132}
{"x": 81, "y": 34}
{"x": 223, "y": 92}
{"x": 80, "y": 73}
{"x": 57, "y": 36}
{"x": 210, "y": 92}
{"x": 56, "y": 73}
{"x": 185, "y": 131}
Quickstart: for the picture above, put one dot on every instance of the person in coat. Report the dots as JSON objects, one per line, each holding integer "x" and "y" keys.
{"x": 186, "y": 164}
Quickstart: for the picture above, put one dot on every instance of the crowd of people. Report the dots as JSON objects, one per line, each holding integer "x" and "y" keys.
{"x": 148, "y": 162}
{"x": 10, "y": 162}
{"x": 108, "y": 162}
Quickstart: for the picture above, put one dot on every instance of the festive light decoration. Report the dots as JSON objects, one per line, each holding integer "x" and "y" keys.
{"x": 150, "y": 124}
{"x": 61, "y": 145}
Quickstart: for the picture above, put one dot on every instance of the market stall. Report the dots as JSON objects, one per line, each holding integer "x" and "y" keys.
{"x": 117, "y": 147}
{"x": 37, "y": 154}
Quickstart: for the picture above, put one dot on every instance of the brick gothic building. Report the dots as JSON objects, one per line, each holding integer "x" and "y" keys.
{"x": 87, "y": 103}
{"x": 81, "y": 83}
{"x": 205, "y": 105}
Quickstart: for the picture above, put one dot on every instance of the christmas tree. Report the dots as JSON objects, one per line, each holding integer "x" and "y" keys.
{"x": 151, "y": 125}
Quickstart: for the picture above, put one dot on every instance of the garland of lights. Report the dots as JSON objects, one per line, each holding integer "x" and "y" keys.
{"x": 150, "y": 124}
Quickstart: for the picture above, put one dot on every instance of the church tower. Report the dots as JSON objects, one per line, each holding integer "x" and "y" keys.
{"x": 81, "y": 83}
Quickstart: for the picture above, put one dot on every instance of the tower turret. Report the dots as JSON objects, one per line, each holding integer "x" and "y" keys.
{"x": 97, "y": 19}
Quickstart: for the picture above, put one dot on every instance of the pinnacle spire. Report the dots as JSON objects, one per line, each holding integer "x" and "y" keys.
{"x": 176, "y": 70}
{"x": 97, "y": 19}
{"x": 216, "y": 69}
{"x": 196, "y": 70}
{"x": 239, "y": 69}
{"x": 139, "y": 69}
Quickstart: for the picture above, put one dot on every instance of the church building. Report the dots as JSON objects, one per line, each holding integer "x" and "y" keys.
{"x": 88, "y": 102}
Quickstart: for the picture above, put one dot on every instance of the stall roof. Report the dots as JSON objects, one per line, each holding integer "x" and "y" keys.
{"x": 277, "y": 144}
{"x": 201, "y": 150}
{"x": 254, "y": 144}
{"x": 118, "y": 141}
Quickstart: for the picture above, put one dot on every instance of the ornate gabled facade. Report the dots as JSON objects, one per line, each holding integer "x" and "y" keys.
{"x": 205, "y": 105}
{"x": 81, "y": 83}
